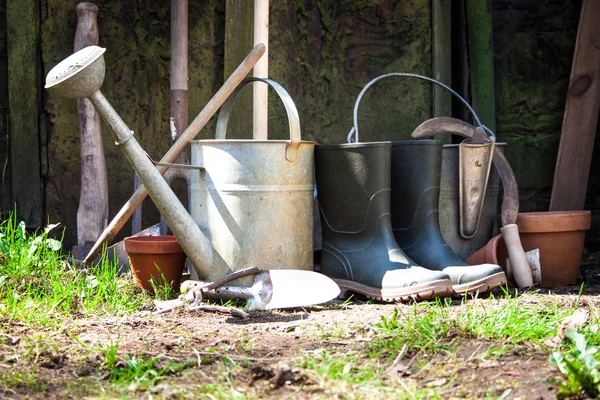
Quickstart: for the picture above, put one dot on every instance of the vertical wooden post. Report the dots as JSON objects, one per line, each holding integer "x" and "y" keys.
{"x": 92, "y": 214}
{"x": 481, "y": 56}
{"x": 442, "y": 60}
{"x": 260, "y": 114}
{"x": 179, "y": 92}
{"x": 581, "y": 115}
{"x": 239, "y": 21}
{"x": 24, "y": 93}
{"x": 179, "y": 64}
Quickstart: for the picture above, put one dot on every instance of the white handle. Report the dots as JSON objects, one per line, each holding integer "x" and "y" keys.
{"x": 519, "y": 265}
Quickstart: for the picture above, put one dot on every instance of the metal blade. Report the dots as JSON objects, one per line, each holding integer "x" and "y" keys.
{"x": 297, "y": 288}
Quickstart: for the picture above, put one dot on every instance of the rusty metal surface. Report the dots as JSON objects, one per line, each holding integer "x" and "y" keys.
{"x": 510, "y": 200}
{"x": 449, "y": 206}
{"x": 255, "y": 205}
{"x": 474, "y": 165}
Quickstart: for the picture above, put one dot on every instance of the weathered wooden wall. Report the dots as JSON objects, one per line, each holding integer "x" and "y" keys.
{"x": 323, "y": 52}
{"x": 136, "y": 36}
{"x": 534, "y": 44}
{"x": 5, "y": 173}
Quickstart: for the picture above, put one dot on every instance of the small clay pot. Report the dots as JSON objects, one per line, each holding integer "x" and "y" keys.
{"x": 152, "y": 257}
{"x": 560, "y": 237}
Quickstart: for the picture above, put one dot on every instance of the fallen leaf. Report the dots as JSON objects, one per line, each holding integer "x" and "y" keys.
{"x": 437, "y": 382}
{"x": 489, "y": 364}
{"x": 574, "y": 321}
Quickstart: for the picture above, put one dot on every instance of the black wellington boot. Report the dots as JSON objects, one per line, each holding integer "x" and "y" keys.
{"x": 416, "y": 169}
{"x": 359, "y": 250}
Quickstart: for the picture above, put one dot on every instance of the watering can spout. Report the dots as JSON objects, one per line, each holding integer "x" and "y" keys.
{"x": 80, "y": 76}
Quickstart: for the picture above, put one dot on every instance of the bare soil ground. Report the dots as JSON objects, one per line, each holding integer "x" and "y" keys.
{"x": 264, "y": 345}
{"x": 258, "y": 357}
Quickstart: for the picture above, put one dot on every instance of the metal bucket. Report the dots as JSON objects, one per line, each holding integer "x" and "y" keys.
{"x": 255, "y": 200}
{"x": 450, "y": 205}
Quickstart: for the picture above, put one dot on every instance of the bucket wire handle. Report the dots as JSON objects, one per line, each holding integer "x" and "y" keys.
{"x": 354, "y": 131}
{"x": 291, "y": 152}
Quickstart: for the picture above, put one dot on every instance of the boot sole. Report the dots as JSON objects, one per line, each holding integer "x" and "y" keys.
{"x": 426, "y": 291}
{"x": 481, "y": 286}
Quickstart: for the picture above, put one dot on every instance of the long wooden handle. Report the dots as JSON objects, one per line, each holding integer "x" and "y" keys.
{"x": 260, "y": 98}
{"x": 92, "y": 214}
{"x": 190, "y": 133}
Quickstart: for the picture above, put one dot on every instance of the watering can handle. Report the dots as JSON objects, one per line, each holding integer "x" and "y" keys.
{"x": 291, "y": 152}
{"x": 354, "y": 131}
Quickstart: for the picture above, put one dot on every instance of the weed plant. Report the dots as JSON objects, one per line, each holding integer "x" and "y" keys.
{"x": 39, "y": 284}
{"x": 579, "y": 366}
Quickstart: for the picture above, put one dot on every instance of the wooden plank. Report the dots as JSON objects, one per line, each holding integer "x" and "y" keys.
{"x": 581, "y": 115}
{"x": 481, "y": 56}
{"x": 442, "y": 60}
{"x": 239, "y": 22}
{"x": 24, "y": 93}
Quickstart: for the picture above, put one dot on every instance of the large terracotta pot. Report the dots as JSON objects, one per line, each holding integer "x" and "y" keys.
{"x": 560, "y": 237}
{"x": 152, "y": 257}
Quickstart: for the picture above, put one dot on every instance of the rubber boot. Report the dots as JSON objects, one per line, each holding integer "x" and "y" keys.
{"x": 359, "y": 250}
{"x": 416, "y": 169}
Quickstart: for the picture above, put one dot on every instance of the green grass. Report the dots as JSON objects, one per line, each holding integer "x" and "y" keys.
{"x": 432, "y": 326}
{"x": 36, "y": 276}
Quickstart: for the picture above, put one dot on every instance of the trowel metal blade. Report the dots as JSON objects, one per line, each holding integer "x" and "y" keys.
{"x": 475, "y": 161}
{"x": 298, "y": 288}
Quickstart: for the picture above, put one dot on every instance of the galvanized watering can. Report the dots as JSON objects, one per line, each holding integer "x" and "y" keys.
{"x": 255, "y": 202}
{"x": 243, "y": 187}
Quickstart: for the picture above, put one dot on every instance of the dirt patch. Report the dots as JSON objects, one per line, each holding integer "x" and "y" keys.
{"x": 256, "y": 357}
{"x": 267, "y": 355}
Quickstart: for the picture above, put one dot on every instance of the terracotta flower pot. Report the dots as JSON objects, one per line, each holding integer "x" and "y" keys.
{"x": 560, "y": 237}
{"x": 152, "y": 257}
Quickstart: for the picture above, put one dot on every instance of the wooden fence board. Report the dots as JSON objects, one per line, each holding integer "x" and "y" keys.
{"x": 24, "y": 93}
{"x": 581, "y": 115}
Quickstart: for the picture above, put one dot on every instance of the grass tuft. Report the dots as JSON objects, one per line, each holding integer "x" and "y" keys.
{"x": 38, "y": 283}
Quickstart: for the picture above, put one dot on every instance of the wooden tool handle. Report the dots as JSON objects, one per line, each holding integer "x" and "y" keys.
{"x": 86, "y": 33}
{"x": 520, "y": 267}
{"x": 228, "y": 278}
{"x": 92, "y": 214}
{"x": 190, "y": 133}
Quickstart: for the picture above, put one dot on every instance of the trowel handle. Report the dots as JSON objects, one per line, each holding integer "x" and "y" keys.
{"x": 229, "y": 293}
{"x": 520, "y": 267}
{"x": 228, "y": 278}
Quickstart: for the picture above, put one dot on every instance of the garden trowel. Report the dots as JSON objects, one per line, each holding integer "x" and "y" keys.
{"x": 273, "y": 289}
